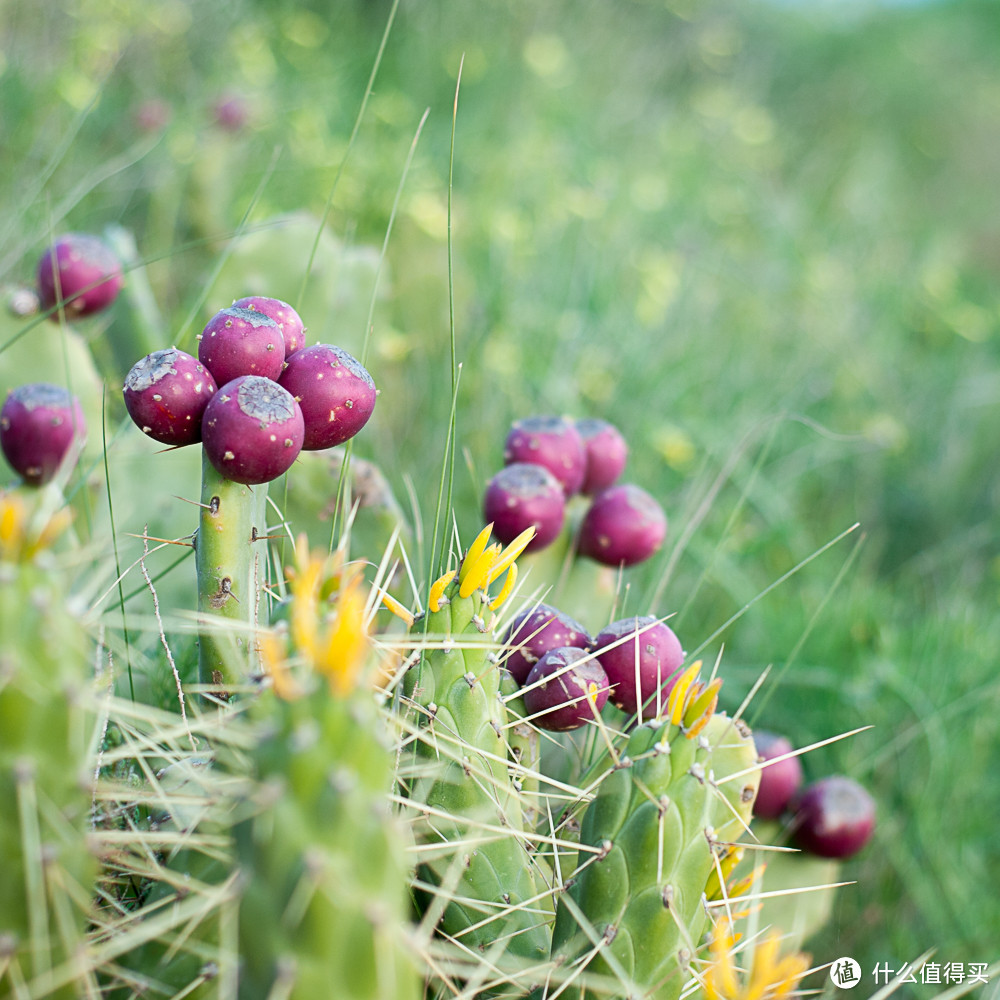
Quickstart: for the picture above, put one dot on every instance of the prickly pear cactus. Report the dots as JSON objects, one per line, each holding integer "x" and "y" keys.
{"x": 458, "y": 777}
{"x": 634, "y": 913}
{"x": 322, "y": 870}
{"x": 46, "y": 728}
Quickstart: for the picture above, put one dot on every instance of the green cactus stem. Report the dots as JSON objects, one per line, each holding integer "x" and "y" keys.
{"x": 459, "y": 772}
{"x": 633, "y": 914}
{"x": 46, "y": 729}
{"x": 231, "y": 566}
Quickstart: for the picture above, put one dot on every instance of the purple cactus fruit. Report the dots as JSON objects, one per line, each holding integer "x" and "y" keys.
{"x": 82, "y": 271}
{"x": 606, "y": 453}
{"x": 335, "y": 391}
{"x": 552, "y": 442}
{"x": 252, "y": 430}
{"x": 565, "y": 689}
{"x": 292, "y": 329}
{"x": 640, "y": 656}
{"x": 778, "y": 782}
{"x": 40, "y": 426}
{"x": 534, "y": 632}
{"x": 520, "y": 496}
{"x": 238, "y": 342}
{"x": 623, "y": 526}
{"x": 166, "y": 394}
{"x": 833, "y": 817}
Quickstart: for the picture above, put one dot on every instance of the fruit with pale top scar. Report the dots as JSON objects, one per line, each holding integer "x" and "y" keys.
{"x": 335, "y": 391}
{"x": 239, "y": 342}
{"x": 252, "y": 430}
{"x": 606, "y": 453}
{"x": 833, "y": 817}
{"x": 166, "y": 394}
{"x": 534, "y": 632}
{"x": 292, "y": 328}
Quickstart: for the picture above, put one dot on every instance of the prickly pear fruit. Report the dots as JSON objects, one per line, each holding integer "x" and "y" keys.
{"x": 521, "y": 496}
{"x": 82, "y": 272}
{"x": 335, "y": 391}
{"x": 624, "y": 525}
{"x": 41, "y": 426}
{"x": 565, "y": 689}
{"x": 166, "y": 394}
{"x": 648, "y": 845}
{"x": 293, "y": 330}
{"x": 238, "y": 342}
{"x": 642, "y": 657}
{"x": 252, "y": 430}
{"x": 833, "y": 817}
{"x": 552, "y": 442}
{"x": 606, "y": 453}
{"x": 536, "y": 630}
{"x": 778, "y": 782}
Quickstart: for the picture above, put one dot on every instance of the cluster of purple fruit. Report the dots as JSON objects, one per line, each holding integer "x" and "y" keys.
{"x": 833, "y": 817}
{"x": 568, "y": 676}
{"x": 255, "y": 396}
{"x": 550, "y": 459}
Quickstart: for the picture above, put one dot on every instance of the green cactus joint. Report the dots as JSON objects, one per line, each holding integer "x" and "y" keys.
{"x": 633, "y": 912}
{"x": 231, "y": 571}
{"x": 458, "y": 777}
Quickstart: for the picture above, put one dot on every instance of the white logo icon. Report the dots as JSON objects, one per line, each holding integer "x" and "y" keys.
{"x": 845, "y": 973}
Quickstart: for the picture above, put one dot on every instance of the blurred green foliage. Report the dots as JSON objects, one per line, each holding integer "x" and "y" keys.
{"x": 762, "y": 240}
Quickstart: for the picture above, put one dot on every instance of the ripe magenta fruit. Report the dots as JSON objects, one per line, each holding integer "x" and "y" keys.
{"x": 623, "y": 525}
{"x": 567, "y": 687}
{"x": 252, "y": 430}
{"x": 640, "y": 656}
{"x": 335, "y": 391}
{"x": 522, "y": 495}
{"x": 778, "y": 782}
{"x": 606, "y": 454}
{"x": 292, "y": 329}
{"x": 239, "y": 342}
{"x": 40, "y": 426}
{"x": 82, "y": 271}
{"x": 833, "y": 817}
{"x": 534, "y": 632}
{"x": 166, "y": 394}
{"x": 552, "y": 442}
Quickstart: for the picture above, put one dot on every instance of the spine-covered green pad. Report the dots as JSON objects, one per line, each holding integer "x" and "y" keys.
{"x": 634, "y": 912}
{"x": 459, "y": 774}
{"x": 46, "y": 727}
{"x": 322, "y": 863}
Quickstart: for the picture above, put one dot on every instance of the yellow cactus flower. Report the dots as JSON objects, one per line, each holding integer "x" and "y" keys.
{"x": 330, "y": 636}
{"x": 769, "y": 978}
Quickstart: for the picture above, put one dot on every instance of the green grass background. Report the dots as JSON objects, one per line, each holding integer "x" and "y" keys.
{"x": 762, "y": 240}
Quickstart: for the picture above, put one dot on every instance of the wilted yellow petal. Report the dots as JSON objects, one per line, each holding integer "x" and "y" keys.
{"x": 505, "y": 590}
{"x": 399, "y": 610}
{"x": 476, "y": 549}
{"x": 677, "y": 698}
{"x": 511, "y": 553}
{"x": 479, "y": 572}
{"x": 438, "y": 589}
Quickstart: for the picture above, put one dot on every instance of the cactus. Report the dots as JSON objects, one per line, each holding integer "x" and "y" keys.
{"x": 293, "y": 331}
{"x": 521, "y": 496}
{"x": 46, "y": 729}
{"x": 633, "y": 913}
{"x": 238, "y": 341}
{"x": 624, "y": 525}
{"x": 322, "y": 868}
{"x": 458, "y": 779}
